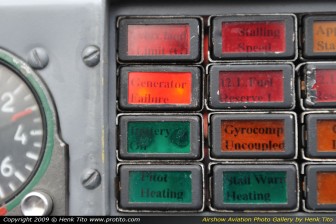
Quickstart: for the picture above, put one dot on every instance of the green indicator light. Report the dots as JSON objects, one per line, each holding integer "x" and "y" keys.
{"x": 160, "y": 186}
{"x": 255, "y": 187}
{"x": 158, "y": 137}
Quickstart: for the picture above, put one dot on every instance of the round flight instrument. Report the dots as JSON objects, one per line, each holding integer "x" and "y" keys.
{"x": 22, "y": 131}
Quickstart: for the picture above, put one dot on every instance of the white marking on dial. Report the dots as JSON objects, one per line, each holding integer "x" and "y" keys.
{"x": 29, "y": 167}
{"x": 32, "y": 155}
{"x": 18, "y": 89}
{"x": 37, "y": 144}
{"x": 36, "y": 132}
{"x": 37, "y": 120}
{"x": 28, "y": 97}
{"x": 20, "y": 176}
{"x": 2, "y": 194}
{"x": 12, "y": 186}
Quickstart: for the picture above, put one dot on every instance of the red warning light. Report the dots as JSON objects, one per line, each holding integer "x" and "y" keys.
{"x": 162, "y": 39}
{"x": 3, "y": 211}
{"x": 251, "y": 86}
{"x": 159, "y": 88}
{"x": 254, "y": 37}
{"x": 325, "y": 85}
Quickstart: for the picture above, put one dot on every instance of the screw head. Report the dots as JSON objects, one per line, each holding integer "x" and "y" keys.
{"x": 91, "y": 55}
{"x": 91, "y": 179}
{"x": 36, "y": 203}
{"x": 38, "y": 58}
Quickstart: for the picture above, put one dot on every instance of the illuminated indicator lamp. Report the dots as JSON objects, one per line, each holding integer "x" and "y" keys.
{"x": 253, "y": 37}
{"x": 159, "y": 39}
{"x": 161, "y": 187}
{"x": 255, "y": 187}
{"x": 160, "y": 137}
{"x": 321, "y": 136}
{"x": 3, "y": 211}
{"x": 326, "y": 190}
{"x": 160, "y": 88}
{"x": 251, "y": 86}
{"x": 321, "y": 180}
{"x": 319, "y": 37}
{"x": 320, "y": 85}
{"x": 253, "y": 136}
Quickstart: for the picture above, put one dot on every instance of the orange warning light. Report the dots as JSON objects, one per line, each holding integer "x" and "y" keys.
{"x": 159, "y": 87}
{"x": 324, "y": 36}
{"x": 326, "y": 132}
{"x": 253, "y": 135}
{"x": 326, "y": 192}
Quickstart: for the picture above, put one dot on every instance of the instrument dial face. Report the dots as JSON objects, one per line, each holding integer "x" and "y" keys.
{"x": 21, "y": 134}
